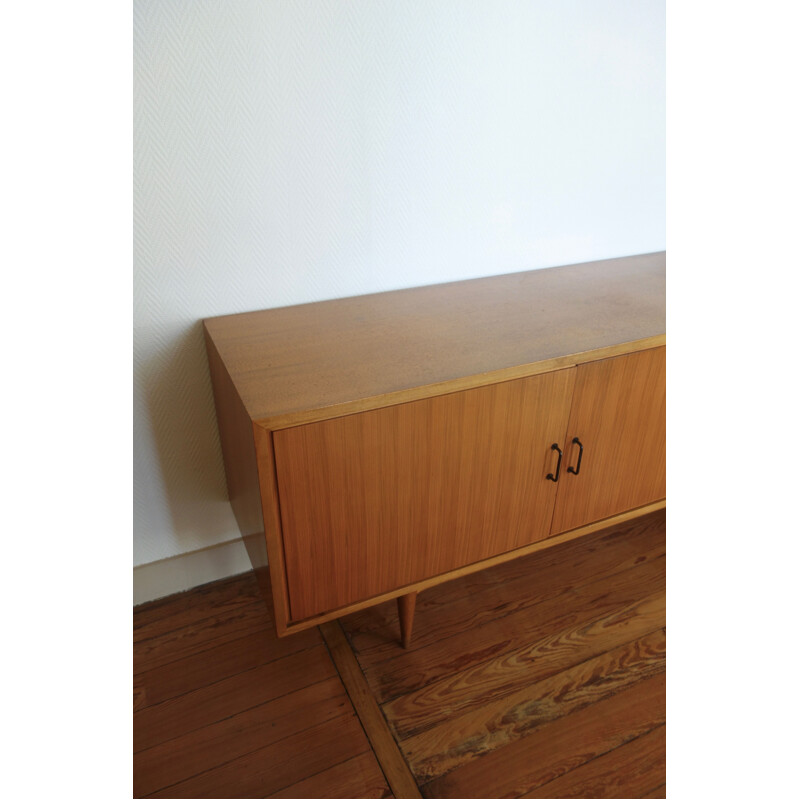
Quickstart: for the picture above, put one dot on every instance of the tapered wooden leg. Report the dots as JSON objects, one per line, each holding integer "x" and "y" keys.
{"x": 405, "y": 610}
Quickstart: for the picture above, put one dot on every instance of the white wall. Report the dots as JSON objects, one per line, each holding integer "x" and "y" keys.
{"x": 289, "y": 151}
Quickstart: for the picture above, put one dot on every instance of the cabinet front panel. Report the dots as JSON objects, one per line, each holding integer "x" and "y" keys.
{"x": 619, "y": 416}
{"x": 375, "y": 501}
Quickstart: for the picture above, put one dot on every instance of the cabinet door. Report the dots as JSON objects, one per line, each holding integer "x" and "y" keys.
{"x": 377, "y": 500}
{"x": 618, "y": 415}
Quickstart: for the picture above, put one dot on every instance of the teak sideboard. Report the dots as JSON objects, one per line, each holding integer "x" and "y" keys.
{"x": 378, "y": 445}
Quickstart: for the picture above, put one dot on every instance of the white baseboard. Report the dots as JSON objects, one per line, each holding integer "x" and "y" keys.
{"x": 183, "y": 572}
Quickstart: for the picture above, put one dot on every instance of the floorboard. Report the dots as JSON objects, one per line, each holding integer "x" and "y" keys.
{"x": 190, "y": 608}
{"x": 357, "y": 777}
{"x": 223, "y": 708}
{"x": 541, "y": 677}
{"x": 215, "y": 744}
{"x": 629, "y": 770}
{"x": 606, "y": 596}
{"x": 550, "y": 751}
{"x": 188, "y": 674}
{"x": 540, "y": 647}
{"x": 456, "y": 741}
{"x": 162, "y": 722}
{"x": 389, "y": 756}
{"x": 516, "y": 671}
{"x": 276, "y": 766}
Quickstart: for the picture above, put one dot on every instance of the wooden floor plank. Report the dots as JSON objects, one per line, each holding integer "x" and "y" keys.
{"x": 192, "y": 607}
{"x": 185, "y": 641}
{"x": 272, "y": 768}
{"x": 659, "y": 791}
{"x": 212, "y": 745}
{"x": 413, "y": 669}
{"x": 629, "y": 770}
{"x": 542, "y": 676}
{"x": 386, "y": 751}
{"x": 358, "y": 777}
{"x": 517, "y": 670}
{"x": 466, "y": 737}
{"x": 221, "y": 687}
{"x": 217, "y": 663}
{"x": 224, "y": 698}
{"x": 552, "y": 750}
{"x": 450, "y": 609}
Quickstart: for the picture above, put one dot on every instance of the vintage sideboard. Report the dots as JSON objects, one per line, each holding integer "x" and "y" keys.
{"x": 377, "y": 445}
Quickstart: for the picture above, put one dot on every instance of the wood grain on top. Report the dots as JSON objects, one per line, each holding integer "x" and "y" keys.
{"x": 290, "y": 363}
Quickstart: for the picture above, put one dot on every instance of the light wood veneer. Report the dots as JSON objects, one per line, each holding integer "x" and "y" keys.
{"x": 619, "y": 416}
{"x": 389, "y": 442}
{"x": 414, "y": 490}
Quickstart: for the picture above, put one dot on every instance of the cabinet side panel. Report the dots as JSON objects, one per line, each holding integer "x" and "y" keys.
{"x": 619, "y": 415}
{"x": 374, "y": 501}
{"x": 239, "y": 455}
{"x": 272, "y": 527}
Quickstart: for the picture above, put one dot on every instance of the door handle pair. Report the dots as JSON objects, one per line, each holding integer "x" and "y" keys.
{"x": 574, "y": 470}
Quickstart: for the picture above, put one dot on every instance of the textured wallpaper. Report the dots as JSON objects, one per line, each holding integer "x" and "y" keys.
{"x": 293, "y": 151}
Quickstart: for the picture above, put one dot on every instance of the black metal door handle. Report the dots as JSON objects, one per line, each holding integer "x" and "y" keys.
{"x": 577, "y": 469}
{"x": 558, "y": 466}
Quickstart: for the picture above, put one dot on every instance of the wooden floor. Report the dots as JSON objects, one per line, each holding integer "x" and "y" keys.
{"x": 543, "y": 677}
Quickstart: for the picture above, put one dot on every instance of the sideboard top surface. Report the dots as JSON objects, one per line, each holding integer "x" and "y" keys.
{"x": 299, "y": 363}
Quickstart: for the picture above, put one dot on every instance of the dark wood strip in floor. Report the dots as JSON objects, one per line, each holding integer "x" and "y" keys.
{"x": 543, "y": 677}
{"x": 389, "y": 756}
